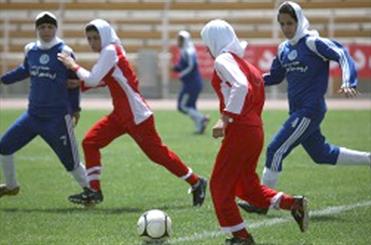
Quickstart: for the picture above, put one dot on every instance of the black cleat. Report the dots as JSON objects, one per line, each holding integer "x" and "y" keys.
{"x": 87, "y": 198}
{"x": 251, "y": 208}
{"x": 6, "y": 191}
{"x": 240, "y": 241}
{"x": 300, "y": 212}
{"x": 199, "y": 192}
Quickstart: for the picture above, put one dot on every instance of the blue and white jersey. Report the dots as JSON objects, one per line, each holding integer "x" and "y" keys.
{"x": 187, "y": 66}
{"x": 48, "y": 94}
{"x": 305, "y": 65}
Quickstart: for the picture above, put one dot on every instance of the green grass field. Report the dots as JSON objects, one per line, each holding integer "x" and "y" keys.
{"x": 340, "y": 197}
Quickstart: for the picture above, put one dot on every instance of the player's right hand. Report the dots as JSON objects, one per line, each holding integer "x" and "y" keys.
{"x": 218, "y": 129}
{"x": 73, "y": 83}
{"x": 75, "y": 118}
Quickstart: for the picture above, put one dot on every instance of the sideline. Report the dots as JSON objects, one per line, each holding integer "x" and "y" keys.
{"x": 203, "y": 104}
{"x": 274, "y": 221}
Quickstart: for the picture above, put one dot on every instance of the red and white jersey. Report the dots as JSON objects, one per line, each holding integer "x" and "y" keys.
{"x": 113, "y": 70}
{"x": 240, "y": 89}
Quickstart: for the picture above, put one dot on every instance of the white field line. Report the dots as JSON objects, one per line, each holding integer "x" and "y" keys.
{"x": 270, "y": 222}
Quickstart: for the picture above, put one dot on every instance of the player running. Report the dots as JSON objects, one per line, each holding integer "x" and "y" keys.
{"x": 190, "y": 76}
{"x": 51, "y": 105}
{"x": 131, "y": 115}
{"x": 303, "y": 59}
{"x": 240, "y": 89}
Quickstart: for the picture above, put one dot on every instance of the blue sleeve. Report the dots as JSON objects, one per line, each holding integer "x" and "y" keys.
{"x": 333, "y": 50}
{"x": 181, "y": 65}
{"x": 18, "y": 74}
{"x": 74, "y": 94}
{"x": 276, "y": 74}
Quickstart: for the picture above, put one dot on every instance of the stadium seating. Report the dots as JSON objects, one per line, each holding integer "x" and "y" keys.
{"x": 140, "y": 23}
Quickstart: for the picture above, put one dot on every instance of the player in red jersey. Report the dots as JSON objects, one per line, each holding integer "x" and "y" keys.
{"x": 131, "y": 115}
{"x": 240, "y": 89}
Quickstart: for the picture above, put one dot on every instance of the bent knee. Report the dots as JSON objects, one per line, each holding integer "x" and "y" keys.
{"x": 182, "y": 109}
{"x": 4, "y": 150}
{"x": 321, "y": 159}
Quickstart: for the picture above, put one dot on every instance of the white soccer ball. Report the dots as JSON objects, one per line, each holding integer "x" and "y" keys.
{"x": 154, "y": 225}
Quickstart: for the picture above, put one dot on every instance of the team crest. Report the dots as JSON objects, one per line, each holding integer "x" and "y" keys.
{"x": 44, "y": 59}
{"x": 292, "y": 55}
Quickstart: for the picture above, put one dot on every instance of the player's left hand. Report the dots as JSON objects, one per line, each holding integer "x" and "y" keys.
{"x": 348, "y": 92}
{"x": 75, "y": 118}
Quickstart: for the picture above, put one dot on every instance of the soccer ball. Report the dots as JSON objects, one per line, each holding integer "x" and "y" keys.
{"x": 154, "y": 225}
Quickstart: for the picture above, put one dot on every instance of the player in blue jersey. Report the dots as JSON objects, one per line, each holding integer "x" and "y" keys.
{"x": 51, "y": 105}
{"x": 187, "y": 67}
{"x": 303, "y": 59}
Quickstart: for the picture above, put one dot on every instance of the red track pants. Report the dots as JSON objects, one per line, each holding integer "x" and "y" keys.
{"x": 234, "y": 175}
{"x": 145, "y": 135}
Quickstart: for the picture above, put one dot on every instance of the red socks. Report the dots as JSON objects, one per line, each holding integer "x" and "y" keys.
{"x": 286, "y": 202}
{"x": 241, "y": 234}
{"x": 95, "y": 185}
{"x": 192, "y": 180}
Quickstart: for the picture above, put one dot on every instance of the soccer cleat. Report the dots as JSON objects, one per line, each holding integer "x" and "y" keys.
{"x": 87, "y": 198}
{"x": 199, "y": 192}
{"x": 5, "y": 191}
{"x": 300, "y": 212}
{"x": 202, "y": 125}
{"x": 251, "y": 208}
{"x": 240, "y": 241}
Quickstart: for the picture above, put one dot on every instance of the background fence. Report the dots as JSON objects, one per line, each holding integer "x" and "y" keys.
{"x": 148, "y": 31}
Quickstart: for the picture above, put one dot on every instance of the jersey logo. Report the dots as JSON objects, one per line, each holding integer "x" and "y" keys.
{"x": 292, "y": 55}
{"x": 44, "y": 59}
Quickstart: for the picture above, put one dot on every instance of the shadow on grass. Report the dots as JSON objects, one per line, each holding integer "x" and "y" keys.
{"x": 167, "y": 207}
{"x": 91, "y": 210}
{"x": 325, "y": 218}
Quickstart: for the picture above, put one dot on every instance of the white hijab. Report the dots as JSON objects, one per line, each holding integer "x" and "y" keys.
{"x": 42, "y": 44}
{"x": 302, "y": 24}
{"x": 220, "y": 37}
{"x": 47, "y": 45}
{"x": 187, "y": 41}
{"x": 106, "y": 32}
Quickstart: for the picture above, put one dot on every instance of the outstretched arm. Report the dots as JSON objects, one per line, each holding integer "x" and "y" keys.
{"x": 333, "y": 50}
{"x": 18, "y": 74}
{"x": 105, "y": 63}
{"x": 276, "y": 74}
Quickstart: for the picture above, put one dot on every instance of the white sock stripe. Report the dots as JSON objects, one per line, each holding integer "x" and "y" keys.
{"x": 275, "y": 201}
{"x": 184, "y": 177}
{"x": 93, "y": 169}
{"x": 71, "y": 136}
{"x": 303, "y": 125}
{"x": 233, "y": 228}
{"x": 93, "y": 177}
